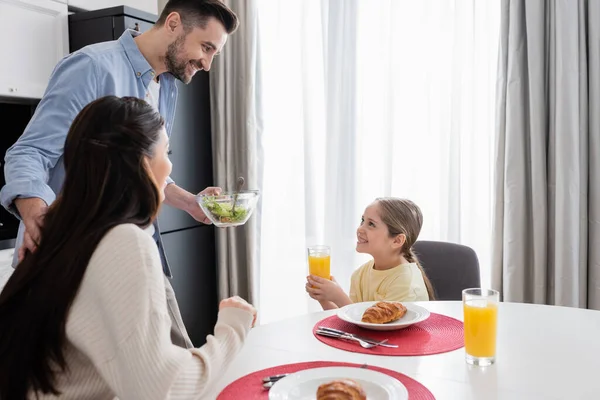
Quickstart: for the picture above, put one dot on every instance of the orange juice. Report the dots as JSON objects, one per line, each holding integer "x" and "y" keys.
{"x": 480, "y": 329}
{"x": 319, "y": 265}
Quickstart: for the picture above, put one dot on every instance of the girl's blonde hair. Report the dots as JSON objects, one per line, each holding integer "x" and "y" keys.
{"x": 402, "y": 216}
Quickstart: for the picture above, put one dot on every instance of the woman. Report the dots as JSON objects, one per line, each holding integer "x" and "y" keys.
{"x": 85, "y": 315}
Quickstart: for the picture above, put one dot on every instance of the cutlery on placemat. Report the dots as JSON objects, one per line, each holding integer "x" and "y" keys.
{"x": 269, "y": 381}
{"x": 269, "y": 385}
{"x": 273, "y": 378}
{"x": 364, "y": 339}
{"x": 364, "y": 344}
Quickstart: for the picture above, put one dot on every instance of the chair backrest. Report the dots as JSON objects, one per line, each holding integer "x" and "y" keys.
{"x": 450, "y": 267}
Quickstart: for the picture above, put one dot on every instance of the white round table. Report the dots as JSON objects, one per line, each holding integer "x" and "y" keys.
{"x": 543, "y": 352}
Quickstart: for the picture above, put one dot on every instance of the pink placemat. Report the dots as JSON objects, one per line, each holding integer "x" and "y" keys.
{"x": 249, "y": 387}
{"x": 437, "y": 334}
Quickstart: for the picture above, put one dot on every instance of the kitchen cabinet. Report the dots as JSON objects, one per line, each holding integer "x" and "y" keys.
{"x": 150, "y": 6}
{"x": 35, "y": 38}
{"x": 106, "y": 24}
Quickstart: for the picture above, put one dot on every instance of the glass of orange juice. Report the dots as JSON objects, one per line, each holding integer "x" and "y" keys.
{"x": 319, "y": 259}
{"x": 480, "y": 307}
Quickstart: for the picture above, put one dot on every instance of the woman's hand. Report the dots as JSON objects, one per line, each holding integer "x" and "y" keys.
{"x": 238, "y": 302}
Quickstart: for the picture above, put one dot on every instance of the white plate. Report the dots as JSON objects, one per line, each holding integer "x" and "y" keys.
{"x": 353, "y": 313}
{"x": 303, "y": 385}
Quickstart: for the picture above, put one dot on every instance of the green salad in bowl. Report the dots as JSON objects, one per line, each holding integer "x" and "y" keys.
{"x": 229, "y": 209}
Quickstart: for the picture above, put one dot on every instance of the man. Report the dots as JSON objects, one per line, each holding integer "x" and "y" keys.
{"x": 184, "y": 40}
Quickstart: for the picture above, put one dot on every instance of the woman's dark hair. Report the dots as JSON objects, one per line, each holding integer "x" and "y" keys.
{"x": 107, "y": 183}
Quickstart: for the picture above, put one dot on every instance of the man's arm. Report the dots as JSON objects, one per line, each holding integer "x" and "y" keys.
{"x": 186, "y": 201}
{"x": 72, "y": 85}
{"x": 179, "y": 198}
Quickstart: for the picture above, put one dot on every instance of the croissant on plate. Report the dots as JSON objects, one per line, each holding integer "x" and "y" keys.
{"x": 343, "y": 389}
{"x": 384, "y": 312}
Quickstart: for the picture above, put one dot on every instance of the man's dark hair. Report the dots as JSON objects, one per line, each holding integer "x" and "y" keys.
{"x": 196, "y": 13}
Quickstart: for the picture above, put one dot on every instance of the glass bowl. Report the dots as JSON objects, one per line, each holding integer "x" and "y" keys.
{"x": 219, "y": 209}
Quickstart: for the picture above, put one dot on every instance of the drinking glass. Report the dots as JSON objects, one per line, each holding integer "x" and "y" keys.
{"x": 319, "y": 261}
{"x": 480, "y": 307}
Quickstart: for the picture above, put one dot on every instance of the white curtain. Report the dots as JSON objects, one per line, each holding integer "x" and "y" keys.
{"x": 364, "y": 99}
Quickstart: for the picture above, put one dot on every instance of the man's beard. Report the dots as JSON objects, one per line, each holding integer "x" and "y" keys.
{"x": 176, "y": 67}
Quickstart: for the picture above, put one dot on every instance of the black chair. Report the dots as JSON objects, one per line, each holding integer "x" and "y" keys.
{"x": 450, "y": 267}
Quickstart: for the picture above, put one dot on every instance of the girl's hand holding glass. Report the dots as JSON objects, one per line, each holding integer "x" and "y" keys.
{"x": 323, "y": 289}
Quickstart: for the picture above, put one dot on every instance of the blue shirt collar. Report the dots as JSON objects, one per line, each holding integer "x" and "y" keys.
{"x": 141, "y": 67}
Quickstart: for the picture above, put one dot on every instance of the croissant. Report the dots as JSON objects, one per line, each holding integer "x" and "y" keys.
{"x": 344, "y": 389}
{"x": 383, "y": 312}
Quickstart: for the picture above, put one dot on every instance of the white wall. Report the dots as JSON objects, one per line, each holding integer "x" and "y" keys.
{"x": 161, "y": 5}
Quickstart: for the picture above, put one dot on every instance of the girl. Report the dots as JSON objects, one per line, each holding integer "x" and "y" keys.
{"x": 387, "y": 231}
{"x": 85, "y": 315}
